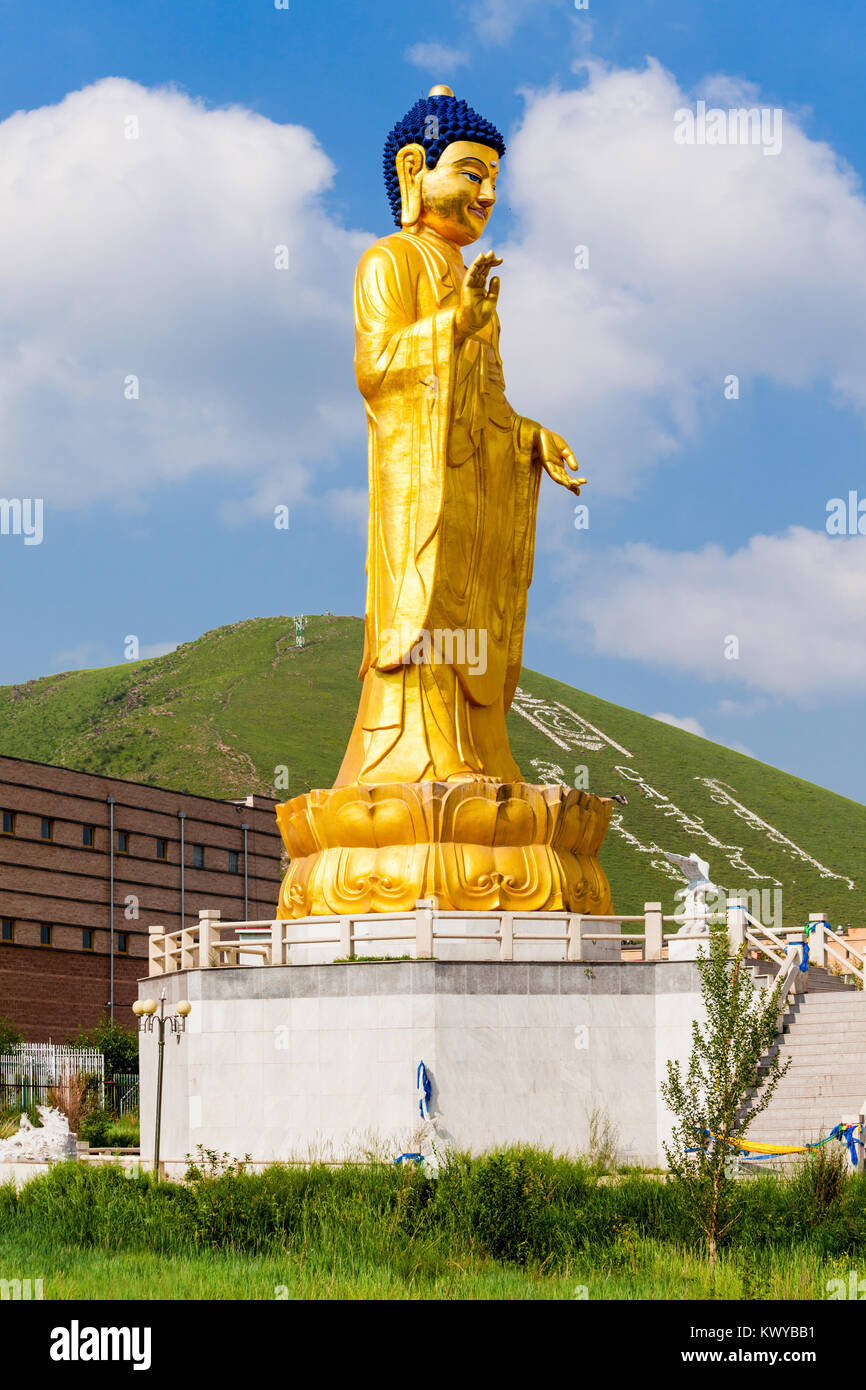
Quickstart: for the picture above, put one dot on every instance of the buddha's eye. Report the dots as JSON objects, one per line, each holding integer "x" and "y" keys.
{"x": 473, "y": 177}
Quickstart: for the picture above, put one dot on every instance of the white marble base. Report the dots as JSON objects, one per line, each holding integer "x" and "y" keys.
{"x": 685, "y": 948}
{"x": 300, "y": 1062}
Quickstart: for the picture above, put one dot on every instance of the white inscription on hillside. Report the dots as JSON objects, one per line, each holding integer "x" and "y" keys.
{"x": 569, "y": 730}
{"x": 561, "y": 725}
{"x": 723, "y": 796}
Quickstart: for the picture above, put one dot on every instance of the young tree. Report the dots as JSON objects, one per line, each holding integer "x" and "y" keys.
{"x": 10, "y": 1034}
{"x": 118, "y": 1045}
{"x": 722, "y": 1072}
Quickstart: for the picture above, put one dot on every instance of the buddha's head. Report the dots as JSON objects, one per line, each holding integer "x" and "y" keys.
{"x": 441, "y": 165}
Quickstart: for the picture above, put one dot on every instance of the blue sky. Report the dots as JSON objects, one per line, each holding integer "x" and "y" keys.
{"x": 260, "y": 127}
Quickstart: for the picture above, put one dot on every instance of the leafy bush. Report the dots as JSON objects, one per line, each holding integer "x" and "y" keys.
{"x": 124, "y": 1132}
{"x": 10, "y": 1034}
{"x": 118, "y": 1045}
{"x": 94, "y": 1128}
{"x": 74, "y": 1095}
{"x": 515, "y": 1206}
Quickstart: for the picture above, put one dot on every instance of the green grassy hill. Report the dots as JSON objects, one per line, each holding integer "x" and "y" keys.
{"x": 220, "y": 715}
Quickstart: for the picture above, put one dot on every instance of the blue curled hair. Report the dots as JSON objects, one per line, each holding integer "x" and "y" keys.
{"x": 434, "y": 123}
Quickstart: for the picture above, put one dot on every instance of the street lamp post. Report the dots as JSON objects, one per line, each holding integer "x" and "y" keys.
{"x": 145, "y": 1011}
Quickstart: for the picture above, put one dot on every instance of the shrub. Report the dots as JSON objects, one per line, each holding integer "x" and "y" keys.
{"x": 95, "y": 1127}
{"x": 118, "y": 1045}
{"x": 819, "y": 1181}
{"x": 74, "y": 1096}
{"x": 10, "y": 1034}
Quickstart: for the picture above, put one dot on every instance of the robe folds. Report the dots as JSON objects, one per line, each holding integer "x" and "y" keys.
{"x": 453, "y": 500}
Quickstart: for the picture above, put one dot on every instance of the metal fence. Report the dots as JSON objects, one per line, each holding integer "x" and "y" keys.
{"x": 30, "y": 1071}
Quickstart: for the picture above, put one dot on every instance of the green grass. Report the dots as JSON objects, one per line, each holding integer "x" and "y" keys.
{"x": 222, "y": 713}
{"x": 510, "y": 1224}
{"x": 652, "y": 1271}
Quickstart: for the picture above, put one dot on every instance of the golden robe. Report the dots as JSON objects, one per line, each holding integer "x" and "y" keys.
{"x": 453, "y": 499}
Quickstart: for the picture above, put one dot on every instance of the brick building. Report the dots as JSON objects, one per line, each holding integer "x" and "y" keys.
{"x": 73, "y": 844}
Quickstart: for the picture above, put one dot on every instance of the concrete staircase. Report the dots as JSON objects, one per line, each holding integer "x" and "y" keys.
{"x": 825, "y": 1038}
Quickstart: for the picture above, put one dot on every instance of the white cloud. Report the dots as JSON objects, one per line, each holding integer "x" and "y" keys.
{"x": 82, "y": 657}
{"x": 737, "y": 748}
{"x": 794, "y": 603}
{"x": 703, "y": 261}
{"x": 436, "y": 57}
{"x": 743, "y": 709}
{"x": 496, "y": 20}
{"x": 151, "y": 649}
{"x": 155, "y": 257}
{"x": 694, "y": 726}
{"x": 87, "y": 656}
{"x": 691, "y": 726}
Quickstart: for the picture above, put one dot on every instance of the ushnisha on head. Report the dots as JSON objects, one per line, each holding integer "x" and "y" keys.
{"x": 441, "y": 166}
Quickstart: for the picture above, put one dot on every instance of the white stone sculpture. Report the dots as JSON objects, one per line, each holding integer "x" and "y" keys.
{"x": 694, "y": 911}
{"x": 48, "y": 1144}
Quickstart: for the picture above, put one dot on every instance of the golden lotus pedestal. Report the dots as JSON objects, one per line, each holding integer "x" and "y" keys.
{"x": 474, "y": 846}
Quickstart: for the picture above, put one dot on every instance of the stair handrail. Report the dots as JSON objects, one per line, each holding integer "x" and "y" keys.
{"x": 774, "y": 936}
{"x": 829, "y": 937}
{"x": 787, "y": 979}
{"x": 754, "y": 940}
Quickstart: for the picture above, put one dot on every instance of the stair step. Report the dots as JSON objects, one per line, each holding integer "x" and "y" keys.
{"x": 823, "y": 1066}
{"x": 841, "y": 1026}
{"x": 830, "y": 1000}
{"x": 815, "y": 1119}
{"x": 854, "y": 1101}
{"x": 808, "y": 1107}
{"x": 847, "y": 1089}
{"x": 812, "y": 1074}
{"x": 825, "y": 1018}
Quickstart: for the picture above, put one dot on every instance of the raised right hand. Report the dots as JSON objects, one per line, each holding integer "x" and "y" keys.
{"x": 477, "y": 302}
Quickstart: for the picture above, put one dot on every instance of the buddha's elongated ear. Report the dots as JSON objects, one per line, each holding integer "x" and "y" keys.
{"x": 411, "y": 162}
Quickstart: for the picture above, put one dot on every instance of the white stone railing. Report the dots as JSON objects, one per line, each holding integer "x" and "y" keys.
{"x": 787, "y": 981}
{"x": 425, "y": 933}
{"x": 422, "y": 933}
{"x": 825, "y": 946}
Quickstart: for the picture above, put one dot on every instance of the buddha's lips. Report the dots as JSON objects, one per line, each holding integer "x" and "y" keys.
{"x": 479, "y": 212}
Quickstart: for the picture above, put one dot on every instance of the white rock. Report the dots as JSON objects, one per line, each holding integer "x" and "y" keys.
{"x": 52, "y": 1141}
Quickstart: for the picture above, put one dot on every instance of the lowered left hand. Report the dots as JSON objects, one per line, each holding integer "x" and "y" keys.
{"x": 555, "y": 457}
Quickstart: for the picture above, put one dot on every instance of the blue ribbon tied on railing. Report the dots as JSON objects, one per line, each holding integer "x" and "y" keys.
{"x": 422, "y": 1082}
{"x": 752, "y": 1152}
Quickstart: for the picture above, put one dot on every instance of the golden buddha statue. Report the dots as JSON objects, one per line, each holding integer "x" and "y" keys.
{"x": 454, "y": 478}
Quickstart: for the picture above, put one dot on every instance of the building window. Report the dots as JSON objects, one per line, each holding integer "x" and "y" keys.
{"x": 198, "y": 856}
{"x": 44, "y": 936}
{"x": 162, "y": 849}
{"x": 122, "y": 842}
{"x": 47, "y": 830}
{"x": 8, "y": 822}
{"x": 88, "y": 836}
{"x": 87, "y": 939}
{"x": 234, "y": 862}
{"x": 7, "y": 929}
{"x": 123, "y": 943}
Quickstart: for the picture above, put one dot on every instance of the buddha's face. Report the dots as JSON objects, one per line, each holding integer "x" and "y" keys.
{"x": 457, "y": 197}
